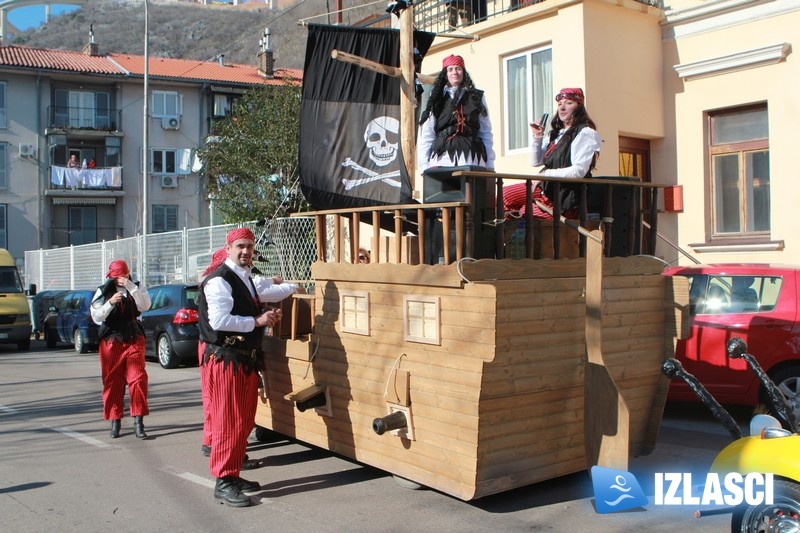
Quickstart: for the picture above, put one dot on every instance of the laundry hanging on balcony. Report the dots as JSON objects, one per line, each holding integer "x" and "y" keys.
{"x": 86, "y": 177}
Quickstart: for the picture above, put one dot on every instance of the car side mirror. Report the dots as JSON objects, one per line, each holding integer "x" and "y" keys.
{"x": 31, "y": 290}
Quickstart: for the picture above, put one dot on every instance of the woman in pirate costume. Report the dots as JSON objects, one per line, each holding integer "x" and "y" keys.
{"x": 116, "y": 307}
{"x": 455, "y": 127}
{"x": 569, "y": 151}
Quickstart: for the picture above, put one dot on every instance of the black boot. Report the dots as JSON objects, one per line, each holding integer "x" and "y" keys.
{"x": 115, "y": 426}
{"x": 138, "y": 428}
{"x": 247, "y": 486}
{"x": 227, "y": 491}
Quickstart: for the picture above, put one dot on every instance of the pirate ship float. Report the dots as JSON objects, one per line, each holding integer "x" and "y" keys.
{"x": 471, "y": 376}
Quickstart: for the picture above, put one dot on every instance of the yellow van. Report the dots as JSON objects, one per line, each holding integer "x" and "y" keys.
{"x": 15, "y": 313}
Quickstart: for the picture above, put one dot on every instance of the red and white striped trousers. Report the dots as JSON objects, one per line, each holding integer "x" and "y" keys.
{"x": 234, "y": 398}
{"x": 122, "y": 363}
{"x": 204, "y": 394}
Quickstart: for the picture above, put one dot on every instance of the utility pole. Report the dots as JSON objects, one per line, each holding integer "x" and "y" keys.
{"x": 145, "y": 145}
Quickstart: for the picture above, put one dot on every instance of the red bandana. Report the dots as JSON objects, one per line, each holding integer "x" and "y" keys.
{"x": 575, "y": 95}
{"x": 453, "y": 60}
{"x": 118, "y": 269}
{"x": 240, "y": 233}
{"x": 217, "y": 259}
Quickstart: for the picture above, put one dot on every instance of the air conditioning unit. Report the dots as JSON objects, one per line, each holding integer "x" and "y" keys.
{"x": 169, "y": 182}
{"x": 26, "y": 150}
{"x": 170, "y": 123}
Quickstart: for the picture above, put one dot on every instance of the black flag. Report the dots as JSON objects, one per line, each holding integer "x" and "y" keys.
{"x": 350, "y": 154}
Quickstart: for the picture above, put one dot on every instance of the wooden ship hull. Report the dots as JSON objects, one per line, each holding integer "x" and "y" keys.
{"x": 486, "y": 359}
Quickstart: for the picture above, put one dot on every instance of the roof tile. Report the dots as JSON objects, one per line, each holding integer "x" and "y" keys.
{"x": 133, "y": 65}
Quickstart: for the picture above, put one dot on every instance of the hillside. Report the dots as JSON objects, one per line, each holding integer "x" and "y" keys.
{"x": 188, "y": 30}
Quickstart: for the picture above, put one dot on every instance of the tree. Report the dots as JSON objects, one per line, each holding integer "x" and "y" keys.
{"x": 251, "y": 161}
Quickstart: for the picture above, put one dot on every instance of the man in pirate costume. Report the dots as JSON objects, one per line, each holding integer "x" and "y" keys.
{"x": 232, "y": 326}
{"x": 116, "y": 307}
{"x": 270, "y": 289}
{"x": 455, "y": 127}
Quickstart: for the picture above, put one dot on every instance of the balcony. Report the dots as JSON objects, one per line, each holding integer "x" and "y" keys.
{"x": 442, "y": 16}
{"x": 63, "y": 236}
{"x": 83, "y": 118}
{"x": 99, "y": 179}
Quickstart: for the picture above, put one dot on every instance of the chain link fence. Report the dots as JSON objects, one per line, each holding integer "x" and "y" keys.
{"x": 287, "y": 248}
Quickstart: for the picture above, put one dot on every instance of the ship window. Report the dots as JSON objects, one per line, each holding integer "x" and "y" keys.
{"x": 355, "y": 312}
{"x": 421, "y": 319}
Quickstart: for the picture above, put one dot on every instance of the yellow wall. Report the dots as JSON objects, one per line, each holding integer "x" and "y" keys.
{"x": 624, "y": 53}
{"x": 698, "y": 39}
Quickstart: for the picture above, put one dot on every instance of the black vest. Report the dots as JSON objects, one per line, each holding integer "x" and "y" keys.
{"x": 460, "y": 138}
{"x": 561, "y": 157}
{"x": 121, "y": 323}
{"x": 243, "y": 305}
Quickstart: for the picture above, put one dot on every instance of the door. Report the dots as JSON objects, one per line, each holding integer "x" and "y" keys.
{"x": 82, "y": 225}
{"x": 81, "y": 109}
{"x": 62, "y": 318}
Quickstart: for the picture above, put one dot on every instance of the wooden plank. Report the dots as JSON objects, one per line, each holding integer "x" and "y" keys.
{"x": 525, "y": 474}
{"x": 397, "y": 390}
{"x": 606, "y": 415}
{"x": 414, "y": 275}
{"x": 485, "y": 269}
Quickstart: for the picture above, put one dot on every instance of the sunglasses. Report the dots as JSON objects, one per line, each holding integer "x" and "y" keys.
{"x": 569, "y": 96}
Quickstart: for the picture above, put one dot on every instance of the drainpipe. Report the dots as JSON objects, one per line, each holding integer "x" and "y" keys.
{"x": 205, "y": 90}
{"x": 39, "y": 170}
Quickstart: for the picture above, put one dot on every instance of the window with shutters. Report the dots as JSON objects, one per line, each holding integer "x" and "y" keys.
{"x": 166, "y": 104}
{"x": 165, "y": 218}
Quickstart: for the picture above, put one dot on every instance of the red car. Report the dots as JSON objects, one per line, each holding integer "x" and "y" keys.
{"x": 756, "y": 302}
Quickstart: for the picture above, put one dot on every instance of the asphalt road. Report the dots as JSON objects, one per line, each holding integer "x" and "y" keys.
{"x": 61, "y": 472}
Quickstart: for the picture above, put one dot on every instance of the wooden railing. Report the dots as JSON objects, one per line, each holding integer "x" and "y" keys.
{"x": 639, "y": 191}
{"x": 402, "y": 216}
{"x": 412, "y": 218}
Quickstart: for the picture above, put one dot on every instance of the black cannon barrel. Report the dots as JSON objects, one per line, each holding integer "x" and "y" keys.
{"x": 390, "y": 422}
{"x": 672, "y": 368}
{"x": 737, "y": 348}
{"x": 318, "y": 400}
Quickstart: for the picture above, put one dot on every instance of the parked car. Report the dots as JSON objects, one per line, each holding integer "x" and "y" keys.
{"x": 758, "y": 303}
{"x": 70, "y": 321}
{"x": 170, "y": 324}
{"x": 41, "y": 305}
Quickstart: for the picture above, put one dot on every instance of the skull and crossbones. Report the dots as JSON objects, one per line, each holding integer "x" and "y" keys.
{"x": 378, "y": 138}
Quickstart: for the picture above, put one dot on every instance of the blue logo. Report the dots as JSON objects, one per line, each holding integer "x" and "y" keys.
{"x": 616, "y": 490}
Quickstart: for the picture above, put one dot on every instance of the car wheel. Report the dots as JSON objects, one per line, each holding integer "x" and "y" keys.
{"x": 166, "y": 355}
{"x": 24, "y": 345}
{"x": 781, "y": 515}
{"x": 407, "y": 483}
{"x": 80, "y": 344}
{"x": 788, "y": 381}
{"x": 50, "y": 338}
{"x": 267, "y": 435}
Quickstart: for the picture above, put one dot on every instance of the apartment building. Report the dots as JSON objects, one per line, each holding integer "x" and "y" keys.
{"x": 56, "y": 104}
{"x": 696, "y": 94}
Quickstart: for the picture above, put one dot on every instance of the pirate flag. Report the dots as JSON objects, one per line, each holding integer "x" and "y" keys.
{"x": 350, "y": 153}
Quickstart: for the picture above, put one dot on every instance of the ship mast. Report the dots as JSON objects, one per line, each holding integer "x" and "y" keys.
{"x": 408, "y": 100}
